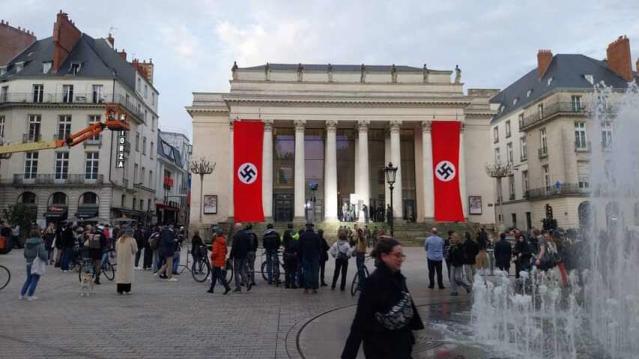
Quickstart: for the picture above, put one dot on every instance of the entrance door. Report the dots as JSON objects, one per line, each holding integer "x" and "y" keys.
{"x": 283, "y": 207}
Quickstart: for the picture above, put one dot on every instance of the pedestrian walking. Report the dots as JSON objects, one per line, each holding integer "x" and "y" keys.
{"x": 324, "y": 247}
{"x": 139, "y": 236}
{"x": 167, "y": 250}
{"x": 361, "y": 247}
{"x": 239, "y": 251}
{"x": 33, "y": 248}
{"x": 291, "y": 249}
{"x": 523, "y": 255}
{"x": 198, "y": 250}
{"x": 310, "y": 248}
{"x": 503, "y": 253}
{"x": 250, "y": 256}
{"x": 341, "y": 251}
{"x": 126, "y": 248}
{"x": 434, "y": 247}
{"x": 271, "y": 243}
{"x": 457, "y": 262}
{"x": 218, "y": 260}
{"x": 386, "y": 315}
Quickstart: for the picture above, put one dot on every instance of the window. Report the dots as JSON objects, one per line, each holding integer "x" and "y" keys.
{"x": 19, "y": 66}
{"x": 524, "y": 181}
{"x": 91, "y": 165}
{"x": 64, "y": 127}
{"x": 152, "y": 98}
{"x": 529, "y": 92}
{"x": 515, "y": 100}
{"x": 3, "y": 70}
{"x": 38, "y": 93}
{"x": 152, "y": 150}
{"x": 67, "y": 93}
{"x": 143, "y": 176}
{"x": 61, "y": 165}
{"x": 148, "y": 204}
{"x": 1, "y": 127}
{"x": 580, "y": 135}
{"x": 89, "y": 198}
{"x": 146, "y": 116}
{"x": 590, "y": 78}
{"x": 495, "y": 134}
{"x": 97, "y": 96}
{"x": 34, "y": 127}
{"x": 46, "y": 67}
{"x": 137, "y": 141}
{"x": 509, "y": 152}
{"x": 521, "y": 121}
{"x": 123, "y": 200}
{"x": 543, "y": 140}
{"x": 508, "y": 129}
{"x": 511, "y": 187}
{"x": 549, "y": 81}
{"x": 606, "y": 135}
{"x": 133, "y": 202}
{"x": 141, "y": 204}
{"x": 135, "y": 173}
{"x": 146, "y": 91}
{"x": 151, "y": 179}
{"x": 4, "y": 93}
{"x": 546, "y": 178}
{"x": 144, "y": 145}
{"x": 575, "y": 101}
{"x": 95, "y": 119}
{"x": 75, "y": 68}
{"x": 540, "y": 111}
{"x": 523, "y": 149}
{"x": 497, "y": 157}
{"x": 31, "y": 165}
{"x": 139, "y": 85}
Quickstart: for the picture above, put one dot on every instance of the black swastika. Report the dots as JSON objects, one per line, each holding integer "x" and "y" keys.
{"x": 445, "y": 171}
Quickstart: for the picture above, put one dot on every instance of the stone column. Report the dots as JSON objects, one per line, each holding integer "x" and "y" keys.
{"x": 330, "y": 172}
{"x": 396, "y": 158}
{"x": 362, "y": 181}
{"x": 231, "y": 175}
{"x": 300, "y": 187}
{"x": 427, "y": 157}
{"x": 267, "y": 171}
{"x": 462, "y": 172}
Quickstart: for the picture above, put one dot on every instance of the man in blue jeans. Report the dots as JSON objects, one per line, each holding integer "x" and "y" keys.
{"x": 361, "y": 247}
{"x": 271, "y": 244}
{"x": 434, "y": 247}
{"x": 310, "y": 254}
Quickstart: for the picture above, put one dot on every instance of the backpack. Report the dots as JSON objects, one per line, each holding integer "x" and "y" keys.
{"x": 341, "y": 255}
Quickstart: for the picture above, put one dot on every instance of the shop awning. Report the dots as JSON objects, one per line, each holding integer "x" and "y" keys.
{"x": 56, "y": 213}
{"x": 86, "y": 212}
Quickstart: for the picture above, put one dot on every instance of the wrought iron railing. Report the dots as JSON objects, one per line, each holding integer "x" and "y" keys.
{"x": 552, "y": 109}
{"x": 563, "y": 189}
{"x": 52, "y": 179}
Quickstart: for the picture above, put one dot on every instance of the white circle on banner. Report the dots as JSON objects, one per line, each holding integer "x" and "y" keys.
{"x": 247, "y": 173}
{"x": 445, "y": 171}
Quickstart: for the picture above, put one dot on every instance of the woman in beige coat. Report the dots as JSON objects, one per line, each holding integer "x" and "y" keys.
{"x": 125, "y": 248}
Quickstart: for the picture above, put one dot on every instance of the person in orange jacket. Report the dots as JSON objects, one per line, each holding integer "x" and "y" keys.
{"x": 218, "y": 260}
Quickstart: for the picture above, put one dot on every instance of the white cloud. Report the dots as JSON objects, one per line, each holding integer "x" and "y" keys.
{"x": 181, "y": 40}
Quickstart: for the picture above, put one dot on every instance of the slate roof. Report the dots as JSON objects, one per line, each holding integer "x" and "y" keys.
{"x": 169, "y": 152}
{"x": 98, "y": 60}
{"x": 324, "y": 67}
{"x": 567, "y": 72}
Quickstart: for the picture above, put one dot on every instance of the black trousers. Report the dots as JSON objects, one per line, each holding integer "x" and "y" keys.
{"x": 148, "y": 257}
{"x": 218, "y": 275}
{"x": 322, "y": 267}
{"x": 435, "y": 266}
{"x": 290, "y": 271}
{"x": 341, "y": 265}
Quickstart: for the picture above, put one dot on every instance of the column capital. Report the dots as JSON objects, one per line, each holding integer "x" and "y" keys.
{"x": 299, "y": 125}
{"x": 268, "y": 125}
{"x": 395, "y": 125}
{"x": 331, "y": 125}
{"x": 426, "y": 126}
{"x": 362, "y": 125}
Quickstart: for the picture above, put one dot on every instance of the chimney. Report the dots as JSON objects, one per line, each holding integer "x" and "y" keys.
{"x": 544, "y": 58}
{"x": 618, "y": 58}
{"x": 65, "y": 36}
{"x": 111, "y": 40}
{"x": 122, "y": 54}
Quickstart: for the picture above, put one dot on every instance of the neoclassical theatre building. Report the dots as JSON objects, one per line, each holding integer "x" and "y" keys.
{"x": 329, "y": 130}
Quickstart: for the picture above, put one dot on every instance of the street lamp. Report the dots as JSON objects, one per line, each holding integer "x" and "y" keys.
{"x": 499, "y": 170}
{"x": 202, "y": 167}
{"x": 391, "y": 173}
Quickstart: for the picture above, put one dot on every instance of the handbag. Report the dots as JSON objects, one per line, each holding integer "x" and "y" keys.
{"x": 399, "y": 315}
{"x": 38, "y": 266}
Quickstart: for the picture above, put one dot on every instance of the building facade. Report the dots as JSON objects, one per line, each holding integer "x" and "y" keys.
{"x": 172, "y": 201}
{"x": 543, "y": 128}
{"x": 58, "y": 86}
{"x": 329, "y": 132}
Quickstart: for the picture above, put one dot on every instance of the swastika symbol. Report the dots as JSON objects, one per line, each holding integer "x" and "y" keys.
{"x": 445, "y": 171}
{"x": 247, "y": 173}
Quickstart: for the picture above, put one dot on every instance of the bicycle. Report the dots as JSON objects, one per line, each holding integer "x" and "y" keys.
{"x": 355, "y": 287}
{"x": 107, "y": 266}
{"x": 264, "y": 268}
{"x": 200, "y": 268}
{"x": 5, "y": 276}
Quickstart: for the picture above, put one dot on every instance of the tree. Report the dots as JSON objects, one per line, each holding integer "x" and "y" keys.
{"x": 21, "y": 215}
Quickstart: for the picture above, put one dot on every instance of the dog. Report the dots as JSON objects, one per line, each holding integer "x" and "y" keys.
{"x": 86, "y": 284}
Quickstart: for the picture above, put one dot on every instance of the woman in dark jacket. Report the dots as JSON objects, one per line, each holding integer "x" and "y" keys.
{"x": 324, "y": 247}
{"x": 386, "y": 315}
{"x": 523, "y": 255}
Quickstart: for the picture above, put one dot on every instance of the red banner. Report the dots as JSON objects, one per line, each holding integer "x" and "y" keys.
{"x": 248, "y": 137}
{"x": 445, "y": 140}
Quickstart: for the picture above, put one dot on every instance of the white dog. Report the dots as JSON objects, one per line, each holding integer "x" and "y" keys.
{"x": 86, "y": 284}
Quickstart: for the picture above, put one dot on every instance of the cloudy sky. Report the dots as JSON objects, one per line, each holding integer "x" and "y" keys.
{"x": 193, "y": 43}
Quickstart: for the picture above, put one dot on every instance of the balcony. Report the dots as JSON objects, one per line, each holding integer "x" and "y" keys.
{"x": 564, "y": 189}
{"x": 48, "y": 98}
{"x": 49, "y": 179}
{"x": 551, "y": 110}
{"x": 582, "y": 146}
{"x": 542, "y": 152}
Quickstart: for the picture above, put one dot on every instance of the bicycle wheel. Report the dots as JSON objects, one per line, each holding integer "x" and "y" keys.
{"x": 5, "y": 276}
{"x": 354, "y": 284}
{"x": 264, "y": 271}
{"x": 108, "y": 270}
{"x": 228, "y": 271}
{"x": 201, "y": 270}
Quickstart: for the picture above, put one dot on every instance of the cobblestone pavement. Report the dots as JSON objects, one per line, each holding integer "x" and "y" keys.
{"x": 172, "y": 319}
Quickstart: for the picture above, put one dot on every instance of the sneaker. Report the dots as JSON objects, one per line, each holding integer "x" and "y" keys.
{"x": 210, "y": 291}
{"x": 226, "y": 291}
{"x": 248, "y": 288}
{"x": 324, "y": 285}
{"x": 20, "y": 297}
{"x": 138, "y": 268}
{"x": 431, "y": 287}
{"x": 172, "y": 280}
{"x": 32, "y": 298}
{"x": 163, "y": 276}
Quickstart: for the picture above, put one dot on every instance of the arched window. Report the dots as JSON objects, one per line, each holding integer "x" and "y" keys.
{"x": 58, "y": 198}
{"x": 88, "y": 199}
{"x": 27, "y": 198}
{"x": 585, "y": 214}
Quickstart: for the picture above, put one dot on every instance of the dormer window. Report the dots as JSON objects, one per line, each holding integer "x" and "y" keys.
{"x": 3, "y": 70}
{"x": 515, "y": 100}
{"x": 549, "y": 81}
{"x": 19, "y": 66}
{"x": 46, "y": 67}
{"x": 501, "y": 108}
{"x": 528, "y": 93}
{"x": 590, "y": 78}
{"x": 75, "y": 68}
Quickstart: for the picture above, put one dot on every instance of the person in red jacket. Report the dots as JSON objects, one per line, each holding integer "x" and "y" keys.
{"x": 218, "y": 261}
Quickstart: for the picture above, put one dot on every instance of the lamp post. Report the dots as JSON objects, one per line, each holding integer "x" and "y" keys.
{"x": 499, "y": 170}
{"x": 202, "y": 167}
{"x": 391, "y": 172}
